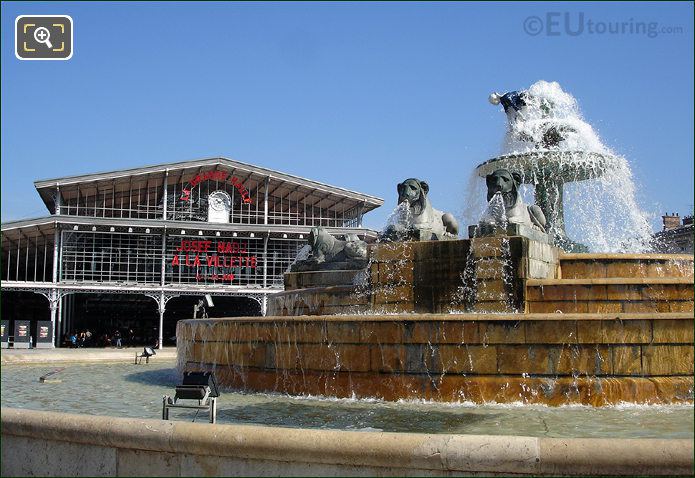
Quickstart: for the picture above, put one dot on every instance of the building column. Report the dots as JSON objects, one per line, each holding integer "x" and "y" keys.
{"x": 162, "y": 307}
{"x": 54, "y": 294}
{"x": 53, "y": 304}
{"x": 57, "y": 201}
{"x": 265, "y": 260}
{"x": 67, "y": 312}
{"x": 59, "y": 325}
{"x": 265, "y": 200}
{"x": 165, "y": 196}
{"x": 162, "y": 301}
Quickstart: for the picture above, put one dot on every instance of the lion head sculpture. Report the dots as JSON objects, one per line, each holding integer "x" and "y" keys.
{"x": 422, "y": 219}
{"x": 507, "y": 183}
{"x": 414, "y": 192}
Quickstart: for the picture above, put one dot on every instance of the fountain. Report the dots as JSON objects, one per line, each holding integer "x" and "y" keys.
{"x": 511, "y": 314}
{"x": 551, "y": 147}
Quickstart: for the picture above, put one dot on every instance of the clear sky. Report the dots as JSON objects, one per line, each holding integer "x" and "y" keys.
{"x": 358, "y": 95}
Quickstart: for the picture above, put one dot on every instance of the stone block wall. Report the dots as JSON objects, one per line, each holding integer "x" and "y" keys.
{"x": 534, "y": 358}
{"x": 484, "y": 274}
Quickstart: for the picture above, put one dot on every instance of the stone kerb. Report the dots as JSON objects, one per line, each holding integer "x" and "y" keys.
{"x": 35, "y": 443}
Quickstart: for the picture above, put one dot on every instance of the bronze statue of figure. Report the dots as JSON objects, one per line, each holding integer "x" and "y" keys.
{"x": 421, "y": 220}
{"x": 507, "y": 183}
{"x": 325, "y": 252}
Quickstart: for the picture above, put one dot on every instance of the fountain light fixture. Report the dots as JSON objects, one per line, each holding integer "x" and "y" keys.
{"x": 234, "y": 234}
{"x": 130, "y": 229}
{"x": 198, "y": 386}
{"x": 94, "y": 228}
{"x": 252, "y": 235}
{"x": 147, "y": 231}
{"x": 284, "y": 236}
{"x": 75, "y": 228}
{"x": 200, "y": 233}
{"x": 183, "y": 231}
{"x": 217, "y": 233}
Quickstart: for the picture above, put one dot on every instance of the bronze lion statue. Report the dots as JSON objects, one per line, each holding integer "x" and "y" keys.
{"x": 420, "y": 218}
{"x": 326, "y": 248}
{"x": 507, "y": 183}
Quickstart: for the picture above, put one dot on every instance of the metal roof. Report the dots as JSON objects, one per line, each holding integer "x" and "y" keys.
{"x": 45, "y": 226}
{"x": 282, "y": 183}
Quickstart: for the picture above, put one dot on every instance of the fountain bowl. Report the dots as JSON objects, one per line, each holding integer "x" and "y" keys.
{"x": 569, "y": 166}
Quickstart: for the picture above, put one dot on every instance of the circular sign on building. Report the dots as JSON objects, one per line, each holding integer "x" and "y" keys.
{"x": 219, "y": 207}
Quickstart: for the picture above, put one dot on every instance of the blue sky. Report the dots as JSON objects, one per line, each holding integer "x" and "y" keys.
{"x": 359, "y": 95}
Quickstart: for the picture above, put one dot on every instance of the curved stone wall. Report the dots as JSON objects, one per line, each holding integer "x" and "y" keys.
{"x": 554, "y": 359}
{"x": 56, "y": 444}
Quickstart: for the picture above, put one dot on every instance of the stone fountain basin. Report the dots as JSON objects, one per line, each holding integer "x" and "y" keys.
{"x": 552, "y": 359}
{"x": 569, "y": 166}
{"x": 597, "y": 329}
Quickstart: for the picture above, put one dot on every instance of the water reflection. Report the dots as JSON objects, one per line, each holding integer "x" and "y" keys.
{"x": 135, "y": 391}
{"x": 352, "y": 416}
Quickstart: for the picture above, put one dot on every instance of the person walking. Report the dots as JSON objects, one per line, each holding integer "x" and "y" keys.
{"x": 117, "y": 336}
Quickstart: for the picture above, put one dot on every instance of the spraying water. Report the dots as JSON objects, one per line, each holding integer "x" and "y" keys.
{"x": 398, "y": 223}
{"x": 549, "y": 119}
{"x": 494, "y": 214}
{"x": 586, "y": 190}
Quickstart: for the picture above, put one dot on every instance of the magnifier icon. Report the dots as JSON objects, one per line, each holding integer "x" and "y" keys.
{"x": 42, "y": 35}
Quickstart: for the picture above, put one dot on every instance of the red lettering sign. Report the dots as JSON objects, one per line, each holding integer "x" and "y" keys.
{"x": 221, "y": 257}
{"x": 220, "y": 176}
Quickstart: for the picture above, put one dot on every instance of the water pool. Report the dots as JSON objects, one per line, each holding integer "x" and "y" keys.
{"x": 135, "y": 391}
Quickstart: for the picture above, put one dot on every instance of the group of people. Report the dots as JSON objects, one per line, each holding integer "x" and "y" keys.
{"x": 86, "y": 338}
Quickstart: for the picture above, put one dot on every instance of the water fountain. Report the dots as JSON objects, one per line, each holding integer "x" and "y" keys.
{"x": 552, "y": 147}
{"x": 512, "y": 314}
{"x": 505, "y": 316}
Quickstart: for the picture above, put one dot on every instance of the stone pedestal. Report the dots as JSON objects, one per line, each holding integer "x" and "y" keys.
{"x": 487, "y": 230}
{"x": 484, "y": 274}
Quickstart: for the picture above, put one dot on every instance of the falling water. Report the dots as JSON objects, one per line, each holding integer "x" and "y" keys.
{"x": 550, "y": 110}
{"x": 494, "y": 215}
{"x": 398, "y": 223}
{"x": 602, "y": 212}
{"x": 473, "y": 282}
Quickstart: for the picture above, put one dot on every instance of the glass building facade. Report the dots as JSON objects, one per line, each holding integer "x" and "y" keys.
{"x": 212, "y": 226}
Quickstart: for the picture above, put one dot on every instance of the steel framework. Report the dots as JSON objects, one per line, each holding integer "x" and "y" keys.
{"x": 147, "y": 231}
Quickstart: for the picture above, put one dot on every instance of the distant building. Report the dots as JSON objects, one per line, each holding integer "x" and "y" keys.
{"x": 676, "y": 236}
{"x": 117, "y": 246}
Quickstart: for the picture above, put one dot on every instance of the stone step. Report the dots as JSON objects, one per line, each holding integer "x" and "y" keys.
{"x": 610, "y": 295}
{"x": 575, "y": 266}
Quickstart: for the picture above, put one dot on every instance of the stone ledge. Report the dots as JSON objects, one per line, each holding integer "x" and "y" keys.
{"x": 610, "y": 281}
{"x": 390, "y": 453}
{"x": 81, "y": 355}
{"x": 413, "y": 317}
{"x": 619, "y": 256}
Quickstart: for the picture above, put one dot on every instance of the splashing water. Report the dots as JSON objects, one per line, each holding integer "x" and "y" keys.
{"x": 303, "y": 254}
{"x": 473, "y": 282}
{"x": 599, "y": 194}
{"x": 495, "y": 215}
{"x": 550, "y": 112}
{"x": 398, "y": 224}
{"x": 400, "y": 216}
